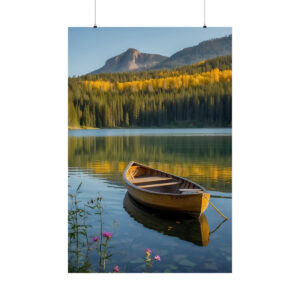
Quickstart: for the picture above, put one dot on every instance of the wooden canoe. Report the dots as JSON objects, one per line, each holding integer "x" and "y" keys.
{"x": 164, "y": 191}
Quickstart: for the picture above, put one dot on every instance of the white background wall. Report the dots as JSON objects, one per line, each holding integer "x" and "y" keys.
{"x": 33, "y": 124}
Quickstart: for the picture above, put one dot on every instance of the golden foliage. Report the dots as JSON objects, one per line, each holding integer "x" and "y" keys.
{"x": 166, "y": 83}
{"x": 99, "y": 84}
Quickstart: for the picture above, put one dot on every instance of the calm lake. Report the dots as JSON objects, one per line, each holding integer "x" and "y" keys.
{"x": 97, "y": 158}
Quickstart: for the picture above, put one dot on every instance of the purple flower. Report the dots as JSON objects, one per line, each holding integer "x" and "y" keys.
{"x": 116, "y": 269}
{"x": 95, "y": 238}
{"x": 148, "y": 251}
{"x": 107, "y": 234}
{"x": 157, "y": 257}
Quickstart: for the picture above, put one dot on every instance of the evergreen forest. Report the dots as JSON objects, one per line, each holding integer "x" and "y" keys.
{"x": 198, "y": 95}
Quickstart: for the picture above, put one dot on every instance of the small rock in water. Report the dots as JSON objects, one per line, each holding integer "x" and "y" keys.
{"x": 211, "y": 267}
{"x": 187, "y": 263}
{"x": 172, "y": 267}
{"x": 178, "y": 257}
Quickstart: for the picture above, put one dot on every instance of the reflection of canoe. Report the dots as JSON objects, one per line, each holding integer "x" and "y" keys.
{"x": 162, "y": 190}
{"x": 195, "y": 230}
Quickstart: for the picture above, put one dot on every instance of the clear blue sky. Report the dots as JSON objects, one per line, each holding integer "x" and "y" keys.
{"x": 89, "y": 48}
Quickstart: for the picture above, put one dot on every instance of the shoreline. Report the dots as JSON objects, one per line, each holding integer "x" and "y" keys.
{"x": 128, "y": 128}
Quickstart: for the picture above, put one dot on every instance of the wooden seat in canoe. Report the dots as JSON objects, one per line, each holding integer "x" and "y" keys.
{"x": 149, "y": 179}
{"x": 158, "y": 185}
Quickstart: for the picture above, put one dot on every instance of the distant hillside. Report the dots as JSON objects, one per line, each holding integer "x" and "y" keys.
{"x": 130, "y": 60}
{"x": 204, "y": 50}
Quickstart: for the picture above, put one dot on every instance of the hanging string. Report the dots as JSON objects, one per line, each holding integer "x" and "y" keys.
{"x": 95, "y": 24}
{"x": 204, "y": 26}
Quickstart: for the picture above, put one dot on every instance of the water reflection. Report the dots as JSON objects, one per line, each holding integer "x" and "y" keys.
{"x": 195, "y": 230}
{"x": 203, "y": 159}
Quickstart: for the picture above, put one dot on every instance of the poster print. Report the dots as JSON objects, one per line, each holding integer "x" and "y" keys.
{"x": 150, "y": 150}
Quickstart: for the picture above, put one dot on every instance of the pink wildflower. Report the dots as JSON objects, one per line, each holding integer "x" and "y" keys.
{"x": 148, "y": 251}
{"x": 157, "y": 257}
{"x": 116, "y": 269}
{"x": 107, "y": 234}
{"x": 95, "y": 238}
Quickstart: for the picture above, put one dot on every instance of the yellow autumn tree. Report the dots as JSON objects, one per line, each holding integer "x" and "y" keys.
{"x": 166, "y": 83}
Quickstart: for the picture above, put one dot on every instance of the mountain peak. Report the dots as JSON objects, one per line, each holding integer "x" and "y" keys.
{"x": 132, "y": 50}
{"x": 130, "y": 60}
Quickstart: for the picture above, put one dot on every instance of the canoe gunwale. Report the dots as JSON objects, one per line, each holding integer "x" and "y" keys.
{"x": 154, "y": 192}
